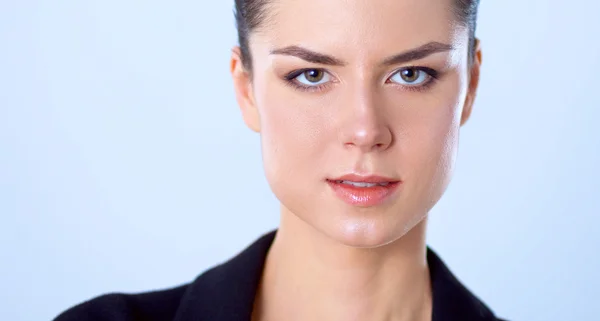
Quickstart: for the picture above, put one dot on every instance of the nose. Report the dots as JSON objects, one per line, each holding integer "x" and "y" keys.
{"x": 365, "y": 125}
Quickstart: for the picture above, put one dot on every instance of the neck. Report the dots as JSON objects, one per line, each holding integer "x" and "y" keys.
{"x": 308, "y": 276}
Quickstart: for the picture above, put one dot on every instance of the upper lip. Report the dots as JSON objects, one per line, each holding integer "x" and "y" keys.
{"x": 365, "y": 179}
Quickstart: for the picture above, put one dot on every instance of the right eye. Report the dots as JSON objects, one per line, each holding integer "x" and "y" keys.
{"x": 312, "y": 77}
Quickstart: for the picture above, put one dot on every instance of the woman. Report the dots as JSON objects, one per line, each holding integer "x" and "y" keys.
{"x": 359, "y": 105}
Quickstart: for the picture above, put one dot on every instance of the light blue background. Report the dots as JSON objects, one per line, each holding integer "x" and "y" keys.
{"x": 121, "y": 147}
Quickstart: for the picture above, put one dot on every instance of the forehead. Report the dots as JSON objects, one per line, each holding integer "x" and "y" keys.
{"x": 362, "y": 27}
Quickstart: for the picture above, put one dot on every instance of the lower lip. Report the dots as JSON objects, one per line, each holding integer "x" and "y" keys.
{"x": 363, "y": 196}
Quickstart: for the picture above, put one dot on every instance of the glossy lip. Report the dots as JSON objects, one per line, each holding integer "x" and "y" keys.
{"x": 364, "y": 196}
{"x": 364, "y": 179}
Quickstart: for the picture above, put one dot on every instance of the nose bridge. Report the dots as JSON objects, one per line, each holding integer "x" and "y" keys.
{"x": 365, "y": 125}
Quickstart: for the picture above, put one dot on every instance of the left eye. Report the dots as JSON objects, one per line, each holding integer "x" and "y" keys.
{"x": 313, "y": 77}
{"x": 410, "y": 77}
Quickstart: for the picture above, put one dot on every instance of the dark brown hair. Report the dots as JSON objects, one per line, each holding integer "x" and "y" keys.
{"x": 252, "y": 14}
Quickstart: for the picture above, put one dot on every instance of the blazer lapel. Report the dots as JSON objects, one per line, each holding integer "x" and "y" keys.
{"x": 226, "y": 292}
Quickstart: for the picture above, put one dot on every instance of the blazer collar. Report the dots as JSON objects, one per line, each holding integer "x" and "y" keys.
{"x": 226, "y": 292}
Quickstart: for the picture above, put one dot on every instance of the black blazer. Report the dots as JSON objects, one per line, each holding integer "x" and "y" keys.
{"x": 226, "y": 293}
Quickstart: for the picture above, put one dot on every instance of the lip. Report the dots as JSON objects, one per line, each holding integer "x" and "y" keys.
{"x": 364, "y": 196}
{"x": 365, "y": 179}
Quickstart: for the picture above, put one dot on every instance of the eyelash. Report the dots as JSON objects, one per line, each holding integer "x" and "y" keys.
{"x": 290, "y": 80}
{"x": 433, "y": 76}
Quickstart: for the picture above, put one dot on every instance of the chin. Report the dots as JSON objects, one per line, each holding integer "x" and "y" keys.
{"x": 352, "y": 226}
{"x": 366, "y": 241}
{"x": 368, "y": 233}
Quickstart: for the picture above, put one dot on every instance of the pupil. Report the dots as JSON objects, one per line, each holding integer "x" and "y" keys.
{"x": 314, "y": 75}
{"x": 409, "y": 74}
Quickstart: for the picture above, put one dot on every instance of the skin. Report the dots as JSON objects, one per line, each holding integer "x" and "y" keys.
{"x": 331, "y": 260}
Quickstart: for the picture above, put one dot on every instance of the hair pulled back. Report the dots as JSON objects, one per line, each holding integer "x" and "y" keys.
{"x": 251, "y": 15}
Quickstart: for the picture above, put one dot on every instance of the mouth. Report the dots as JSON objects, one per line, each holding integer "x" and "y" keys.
{"x": 364, "y": 191}
{"x": 362, "y": 184}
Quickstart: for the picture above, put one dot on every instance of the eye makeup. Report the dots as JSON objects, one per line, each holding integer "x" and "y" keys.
{"x": 291, "y": 79}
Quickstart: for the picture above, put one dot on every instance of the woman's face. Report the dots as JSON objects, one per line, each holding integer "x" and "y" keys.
{"x": 358, "y": 87}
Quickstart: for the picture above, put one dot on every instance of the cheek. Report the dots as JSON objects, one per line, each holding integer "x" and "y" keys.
{"x": 433, "y": 141}
{"x": 293, "y": 132}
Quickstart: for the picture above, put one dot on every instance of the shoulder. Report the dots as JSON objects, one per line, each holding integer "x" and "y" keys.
{"x": 225, "y": 291}
{"x": 152, "y": 306}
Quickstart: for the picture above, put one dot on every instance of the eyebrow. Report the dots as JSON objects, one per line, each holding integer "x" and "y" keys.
{"x": 418, "y": 53}
{"x": 308, "y": 55}
{"x": 324, "y": 59}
